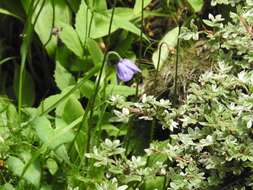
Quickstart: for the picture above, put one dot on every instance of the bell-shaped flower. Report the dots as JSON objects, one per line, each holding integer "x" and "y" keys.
{"x": 126, "y": 69}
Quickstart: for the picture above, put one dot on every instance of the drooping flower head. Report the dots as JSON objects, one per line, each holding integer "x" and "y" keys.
{"x": 126, "y": 69}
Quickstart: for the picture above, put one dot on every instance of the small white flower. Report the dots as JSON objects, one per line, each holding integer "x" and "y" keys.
{"x": 249, "y": 124}
{"x": 125, "y": 111}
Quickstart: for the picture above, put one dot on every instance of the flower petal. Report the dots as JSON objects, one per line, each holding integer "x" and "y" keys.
{"x": 130, "y": 65}
{"x": 124, "y": 73}
{"x": 126, "y": 69}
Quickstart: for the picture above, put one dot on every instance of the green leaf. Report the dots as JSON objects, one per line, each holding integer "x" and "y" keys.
{"x": 101, "y": 21}
{"x": 72, "y": 110}
{"x": 45, "y": 21}
{"x": 95, "y": 52}
{"x": 63, "y": 78}
{"x": 70, "y": 38}
{"x": 46, "y": 133}
{"x": 44, "y": 130}
{"x": 28, "y": 88}
{"x": 6, "y": 12}
{"x": 100, "y": 24}
{"x": 32, "y": 174}
{"x": 87, "y": 88}
{"x": 196, "y": 4}
{"x": 138, "y": 5}
{"x": 52, "y": 166}
{"x": 127, "y": 25}
{"x": 111, "y": 130}
{"x": 82, "y": 22}
{"x": 98, "y": 5}
{"x": 125, "y": 13}
{"x": 170, "y": 40}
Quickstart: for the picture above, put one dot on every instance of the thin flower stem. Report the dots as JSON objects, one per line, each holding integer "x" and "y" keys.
{"x": 149, "y": 47}
{"x": 156, "y": 74}
{"x": 53, "y": 25}
{"x": 92, "y": 101}
{"x": 159, "y": 58}
{"x": 176, "y": 69}
{"x": 140, "y": 51}
{"x": 112, "y": 53}
{"x": 142, "y": 27}
{"x": 87, "y": 35}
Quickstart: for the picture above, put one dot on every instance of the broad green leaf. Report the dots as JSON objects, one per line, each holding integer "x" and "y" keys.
{"x": 49, "y": 102}
{"x": 28, "y": 88}
{"x": 95, "y": 52}
{"x": 46, "y": 133}
{"x": 125, "y": 13}
{"x": 43, "y": 26}
{"x": 98, "y": 5}
{"x": 138, "y": 5}
{"x": 63, "y": 78}
{"x": 82, "y": 22}
{"x": 44, "y": 130}
{"x": 87, "y": 88}
{"x": 100, "y": 23}
{"x": 127, "y": 25}
{"x": 72, "y": 110}
{"x": 52, "y": 165}
{"x": 70, "y": 38}
{"x": 60, "y": 108}
{"x": 170, "y": 40}
{"x": 32, "y": 174}
{"x": 196, "y": 4}
{"x": 57, "y": 100}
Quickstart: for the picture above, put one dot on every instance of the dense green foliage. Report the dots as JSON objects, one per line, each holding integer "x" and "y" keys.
{"x": 185, "y": 122}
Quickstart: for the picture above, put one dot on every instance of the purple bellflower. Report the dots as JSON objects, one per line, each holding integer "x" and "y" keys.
{"x": 126, "y": 69}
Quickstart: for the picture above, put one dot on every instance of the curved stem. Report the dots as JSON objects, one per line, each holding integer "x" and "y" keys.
{"x": 142, "y": 27}
{"x": 149, "y": 47}
{"x": 141, "y": 37}
{"x": 159, "y": 58}
{"x": 53, "y": 25}
{"x": 112, "y": 53}
{"x": 157, "y": 70}
{"x": 92, "y": 101}
{"x": 177, "y": 61}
